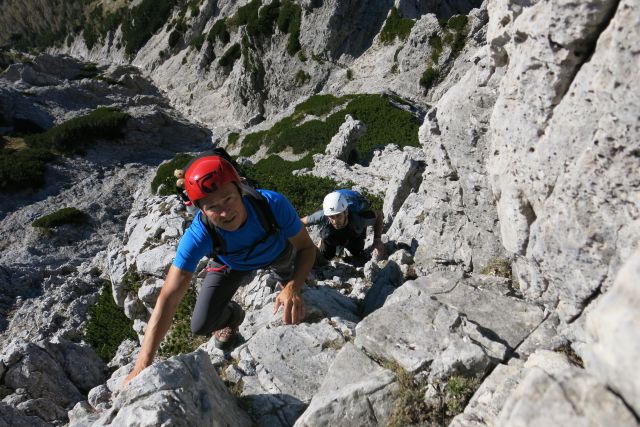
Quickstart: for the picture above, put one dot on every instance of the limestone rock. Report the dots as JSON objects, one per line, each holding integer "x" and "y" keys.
{"x": 613, "y": 326}
{"x": 355, "y": 391}
{"x": 183, "y": 390}
{"x": 343, "y": 143}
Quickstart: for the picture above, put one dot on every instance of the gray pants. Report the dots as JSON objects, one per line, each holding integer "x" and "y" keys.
{"x": 221, "y": 283}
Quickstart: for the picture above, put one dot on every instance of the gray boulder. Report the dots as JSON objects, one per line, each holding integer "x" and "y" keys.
{"x": 613, "y": 328}
{"x": 344, "y": 142}
{"x": 355, "y": 390}
{"x": 181, "y": 391}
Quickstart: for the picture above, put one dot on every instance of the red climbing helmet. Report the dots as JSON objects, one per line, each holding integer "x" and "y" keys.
{"x": 206, "y": 174}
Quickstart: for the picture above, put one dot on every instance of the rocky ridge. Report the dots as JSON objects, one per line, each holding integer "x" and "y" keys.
{"x": 528, "y": 155}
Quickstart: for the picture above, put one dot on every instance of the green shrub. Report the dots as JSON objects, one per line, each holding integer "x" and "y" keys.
{"x": 385, "y": 124}
{"x": 230, "y": 56}
{"x": 107, "y": 326}
{"x": 143, "y": 21}
{"x": 219, "y": 31}
{"x": 232, "y": 138}
{"x": 23, "y": 169}
{"x": 174, "y": 38}
{"x": 289, "y": 20}
{"x": 88, "y": 70}
{"x": 131, "y": 281}
{"x": 436, "y": 47}
{"x": 197, "y": 42}
{"x": 302, "y": 56}
{"x": 267, "y": 17}
{"x": 179, "y": 339}
{"x": 395, "y": 26}
{"x": 429, "y": 77}
{"x": 349, "y": 74}
{"x": 302, "y": 77}
{"x": 164, "y": 175}
{"x": 457, "y": 22}
{"x": 459, "y": 41}
{"x": 61, "y": 217}
{"x": 246, "y": 15}
{"x": 457, "y": 392}
{"x": 74, "y": 135}
{"x": 195, "y": 10}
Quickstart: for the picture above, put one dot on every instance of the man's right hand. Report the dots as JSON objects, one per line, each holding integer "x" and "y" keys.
{"x": 137, "y": 368}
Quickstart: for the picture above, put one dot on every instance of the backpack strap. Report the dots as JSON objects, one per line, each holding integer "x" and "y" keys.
{"x": 265, "y": 216}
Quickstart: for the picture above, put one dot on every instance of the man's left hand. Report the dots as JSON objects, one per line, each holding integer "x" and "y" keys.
{"x": 293, "y": 305}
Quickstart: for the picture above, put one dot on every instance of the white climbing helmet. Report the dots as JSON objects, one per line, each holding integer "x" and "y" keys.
{"x": 334, "y": 203}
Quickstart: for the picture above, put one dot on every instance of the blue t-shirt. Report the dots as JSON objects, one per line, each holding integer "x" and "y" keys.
{"x": 197, "y": 243}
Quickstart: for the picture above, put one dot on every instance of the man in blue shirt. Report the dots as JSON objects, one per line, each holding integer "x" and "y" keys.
{"x": 229, "y": 224}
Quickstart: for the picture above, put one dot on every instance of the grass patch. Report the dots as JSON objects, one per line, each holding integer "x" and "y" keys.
{"x": 107, "y": 326}
{"x": 411, "y": 408}
{"x": 498, "y": 267}
{"x": 395, "y": 27}
{"x": 457, "y": 392}
{"x": 180, "y": 339}
{"x": 385, "y": 124}
{"x": 61, "y": 217}
{"x": 164, "y": 176}
{"x": 73, "y": 136}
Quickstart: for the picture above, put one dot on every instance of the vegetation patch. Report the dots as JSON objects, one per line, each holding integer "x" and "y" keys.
{"x": 385, "y": 124}
{"x": 302, "y": 77}
{"x": 73, "y": 136}
{"x": 142, "y": 21}
{"x": 131, "y": 281}
{"x": 230, "y": 56}
{"x": 61, "y": 217}
{"x": 179, "y": 339}
{"x": 411, "y": 408}
{"x": 289, "y": 20}
{"x": 232, "y": 138}
{"x": 164, "y": 176}
{"x": 107, "y": 326}
{"x": 499, "y": 267}
{"x": 395, "y": 27}
{"x": 349, "y": 74}
{"x": 23, "y": 169}
{"x": 454, "y": 35}
{"x": 436, "y": 47}
{"x": 219, "y": 32}
{"x": 429, "y": 78}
